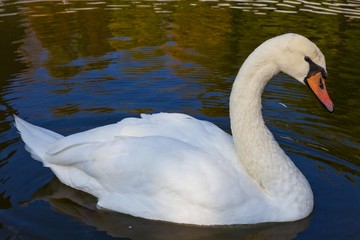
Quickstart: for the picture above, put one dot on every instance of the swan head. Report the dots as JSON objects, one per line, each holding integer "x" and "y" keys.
{"x": 301, "y": 59}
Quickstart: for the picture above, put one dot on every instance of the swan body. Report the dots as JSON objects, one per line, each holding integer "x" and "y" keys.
{"x": 173, "y": 167}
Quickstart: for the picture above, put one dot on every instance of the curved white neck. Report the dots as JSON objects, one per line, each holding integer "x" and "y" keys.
{"x": 263, "y": 158}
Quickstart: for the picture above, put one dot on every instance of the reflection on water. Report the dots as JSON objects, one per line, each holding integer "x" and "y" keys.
{"x": 73, "y": 65}
{"x": 81, "y": 206}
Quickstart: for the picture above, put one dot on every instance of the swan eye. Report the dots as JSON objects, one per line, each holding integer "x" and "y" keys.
{"x": 307, "y": 59}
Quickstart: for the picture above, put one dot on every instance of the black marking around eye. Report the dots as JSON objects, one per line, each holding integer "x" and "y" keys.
{"x": 314, "y": 68}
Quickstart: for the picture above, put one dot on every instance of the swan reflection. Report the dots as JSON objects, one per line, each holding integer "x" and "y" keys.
{"x": 82, "y": 206}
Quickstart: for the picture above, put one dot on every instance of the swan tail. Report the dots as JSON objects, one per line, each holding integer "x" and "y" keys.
{"x": 37, "y": 140}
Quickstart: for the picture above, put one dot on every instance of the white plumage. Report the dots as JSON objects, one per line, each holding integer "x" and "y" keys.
{"x": 173, "y": 167}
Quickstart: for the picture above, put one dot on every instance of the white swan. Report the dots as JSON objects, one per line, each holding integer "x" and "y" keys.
{"x": 175, "y": 168}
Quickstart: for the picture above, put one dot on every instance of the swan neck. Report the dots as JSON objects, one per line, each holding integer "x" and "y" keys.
{"x": 257, "y": 149}
{"x": 245, "y": 98}
{"x": 253, "y": 141}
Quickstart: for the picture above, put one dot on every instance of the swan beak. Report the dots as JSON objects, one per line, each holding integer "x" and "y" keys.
{"x": 316, "y": 83}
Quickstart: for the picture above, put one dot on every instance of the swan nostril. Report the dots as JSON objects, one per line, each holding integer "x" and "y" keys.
{"x": 321, "y": 84}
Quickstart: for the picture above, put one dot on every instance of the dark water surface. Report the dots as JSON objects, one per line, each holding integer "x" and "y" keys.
{"x": 74, "y": 65}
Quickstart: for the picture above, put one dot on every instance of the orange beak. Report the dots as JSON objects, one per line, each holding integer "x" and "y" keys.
{"x": 316, "y": 83}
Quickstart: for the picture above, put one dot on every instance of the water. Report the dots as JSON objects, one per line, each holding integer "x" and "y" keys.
{"x": 74, "y": 65}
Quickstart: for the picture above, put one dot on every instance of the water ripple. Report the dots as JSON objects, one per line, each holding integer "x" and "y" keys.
{"x": 349, "y": 8}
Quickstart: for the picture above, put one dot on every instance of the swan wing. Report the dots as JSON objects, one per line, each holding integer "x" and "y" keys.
{"x": 156, "y": 177}
{"x": 201, "y": 134}
{"x": 169, "y": 167}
